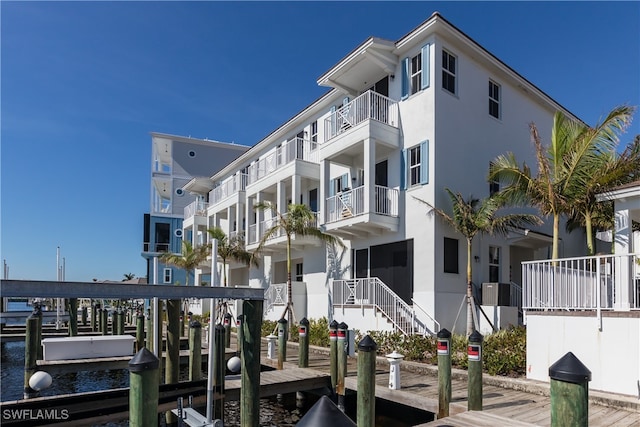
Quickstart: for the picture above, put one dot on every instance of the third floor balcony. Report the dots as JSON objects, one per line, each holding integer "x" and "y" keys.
{"x": 227, "y": 188}
{"x": 296, "y": 149}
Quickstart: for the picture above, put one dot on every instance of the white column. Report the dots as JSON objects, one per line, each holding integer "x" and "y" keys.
{"x": 259, "y": 216}
{"x": 281, "y": 197}
{"x": 229, "y": 220}
{"x": 239, "y": 211}
{"x": 323, "y": 190}
{"x": 295, "y": 189}
{"x": 622, "y": 245}
{"x": 248, "y": 216}
{"x": 369, "y": 174}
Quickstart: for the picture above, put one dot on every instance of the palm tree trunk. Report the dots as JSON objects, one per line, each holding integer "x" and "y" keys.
{"x": 470, "y": 326}
{"x": 589, "y": 228}
{"x": 290, "y": 313}
{"x": 556, "y": 231}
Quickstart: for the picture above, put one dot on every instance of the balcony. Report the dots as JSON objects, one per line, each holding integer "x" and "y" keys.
{"x": 595, "y": 283}
{"x": 278, "y": 240}
{"x": 196, "y": 208}
{"x": 150, "y": 247}
{"x": 347, "y": 212}
{"x": 295, "y": 149}
{"x": 230, "y": 186}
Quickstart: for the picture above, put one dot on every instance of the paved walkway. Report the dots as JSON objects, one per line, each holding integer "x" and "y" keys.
{"x": 520, "y": 400}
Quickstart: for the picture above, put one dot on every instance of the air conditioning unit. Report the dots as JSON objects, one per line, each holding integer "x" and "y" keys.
{"x": 496, "y": 294}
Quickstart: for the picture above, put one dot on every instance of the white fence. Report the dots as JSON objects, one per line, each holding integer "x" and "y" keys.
{"x": 198, "y": 207}
{"x": 368, "y": 106}
{"x": 372, "y": 292}
{"x": 294, "y": 149}
{"x": 351, "y": 203}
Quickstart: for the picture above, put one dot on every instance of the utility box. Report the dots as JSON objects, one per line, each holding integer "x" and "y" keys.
{"x": 496, "y": 294}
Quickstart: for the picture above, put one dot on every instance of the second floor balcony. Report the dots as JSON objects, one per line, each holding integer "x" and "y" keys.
{"x": 196, "y": 208}
{"x": 227, "y": 188}
{"x": 283, "y": 155}
{"x": 351, "y": 209}
{"x": 278, "y": 239}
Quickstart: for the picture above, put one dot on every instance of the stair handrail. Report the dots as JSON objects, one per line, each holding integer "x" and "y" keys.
{"x": 433, "y": 319}
{"x": 395, "y": 317}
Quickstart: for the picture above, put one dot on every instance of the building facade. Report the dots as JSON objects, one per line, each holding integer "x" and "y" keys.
{"x": 401, "y": 120}
{"x": 175, "y": 161}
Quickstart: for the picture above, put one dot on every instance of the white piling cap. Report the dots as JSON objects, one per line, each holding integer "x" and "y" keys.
{"x": 395, "y": 355}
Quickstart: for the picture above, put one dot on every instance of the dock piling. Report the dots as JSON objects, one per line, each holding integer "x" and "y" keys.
{"x": 73, "y": 317}
{"x": 121, "y": 318}
{"x": 94, "y": 309}
{"x": 303, "y": 347}
{"x": 219, "y": 369}
{"x": 139, "y": 332}
{"x": 474, "y": 386}
{"x": 195, "y": 350}
{"x": 104, "y": 321}
{"x": 283, "y": 335}
{"x": 250, "y": 361}
{"x": 227, "y": 330}
{"x": 30, "y": 354}
{"x": 143, "y": 392}
{"x": 83, "y": 315}
{"x": 444, "y": 372}
{"x": 569, "y": 392}
{"x": 333, "y": 354}
{"x": 172, "y": 360}
{"x": 366, "y": 410}
{"x": 342, "y": 362}
{"x": 239, "y": 335}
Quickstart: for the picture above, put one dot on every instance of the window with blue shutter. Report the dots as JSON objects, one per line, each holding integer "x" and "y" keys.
{"x": 424, "y": 162}
{"x": 425, "y": 66}
{"x": 403, "y": 170}
{"x": 405, "y": 78}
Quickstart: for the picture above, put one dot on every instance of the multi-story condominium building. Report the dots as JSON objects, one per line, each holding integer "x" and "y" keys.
{"x": 401, "y": 120}
{"x": 174, "y": 161}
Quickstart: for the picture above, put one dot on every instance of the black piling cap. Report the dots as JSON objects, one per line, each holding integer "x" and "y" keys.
{"x": 195, "y": 324}
{"x": 219, "y": 329}
{"x": 569, "y": 369}
{"x": 241, "y": 317}
{"x": 444, "y": 333}
{"x": 325, "y": 413}
{"x": 333, "y": 325}
{"x": 367, "y": 344}
{"x": 304, "y": 321}
{"x": 227, "y": 316}
{"x": 475, "y": 337}
{"x": 343, "y": 326}
{"x": 144, "y": 360}
{"x": 282, "y": 320}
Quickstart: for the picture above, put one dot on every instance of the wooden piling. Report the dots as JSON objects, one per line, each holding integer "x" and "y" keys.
{"x": 474, "y": 372}
{"x": 195, "y": 350}
{"x": 139, "y": 332}
{"x": 104, "y": 322}
{"x": 30, "y": 354}
{"x": 366, "y": 409}
{"x": 342, "y": 363}
{"x": 83, "y": 315}
{"x": 73, "y": 317}
{"x": 227, "y": 330}
{"x": 444, "y": 372}
{"x": 143, "y": 391}
{"x": 93, "y": 323}
{"x": 283, "y": 332}
{"x": 149, "y": 327}
{"x": 219, "y": 370}
{"x": 569, "y": 387}
{"x": 172, "y": 360}
{"x": 303, "y": 343}
{"x": 333, "y": 354}
{"x": 250, "y": 362}
{"x": 239, "y": 336}
{"x": 121, "y": 316}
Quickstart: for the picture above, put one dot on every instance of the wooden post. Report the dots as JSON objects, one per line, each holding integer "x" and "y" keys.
{"x": 121, "y": 316}
{"x": 219, "y": 370}
{"x": 73, "y": 317}
{"x": 104, "y": 322}
{"x": 37, "y": 313}
{"x": 569, "y": 392}
{"x": 283, "y": 333}
{"x": 94, "y": 309}
{"x": 195, "y": 351}
{"x": 474, "y": 372}
{"x": 84, "y": 315}
{"x": 172, "y": 361}
{"x": 342, "y": 362}
{"x": 182, "y": 323}
{"x": 139, "y": 332}
{"x": 250, "y": 362}
{"x": 366, "y": 410}
{"x": 227, "y": 330}
{"x": 30, "y": 354}
{"x": 149, "y": 328}
{"x": 303, "y": 343}
{"x": 444, "y": 372}
{"x": 239, "y": 335}
{"x": 143, "y": 391}
{"x": 333, "y": 354}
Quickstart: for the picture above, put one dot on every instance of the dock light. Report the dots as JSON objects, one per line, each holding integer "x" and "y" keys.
{"x": 40, "y": 380}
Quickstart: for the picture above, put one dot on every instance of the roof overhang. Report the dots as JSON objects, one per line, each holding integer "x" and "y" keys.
{"x": 362, "y": 67}
{"x": 529, "y": 238}
{"x": 199, "y": 185}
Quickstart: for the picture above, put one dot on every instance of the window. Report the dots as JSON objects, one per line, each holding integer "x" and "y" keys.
{"x": 314, "y": 132}
{"x": 448, "y": 72}
{"x": 299, "y": 272}
{"x": 494, "y": 184}
{"x": 494, "y": 264}
{"x": 338, "y": 184}
{"x": 494, "y": 99}
{"x": 166, "y": 275}
{"x": 414, "y": 168}
{"x": 415, "y": 72}
{"x": 450, "y": 255}
{"x": 313, "y": 200}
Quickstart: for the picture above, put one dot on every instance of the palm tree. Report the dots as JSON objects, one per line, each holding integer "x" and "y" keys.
{"x": 471, "y": 217}
{"x": 299, "y": 220}
{"x": 190, "y": 258}
{"x": 129, "y": 276}
{"x": 231, "y": 248}
{"x": 563, "y": 167}
{"x": 611, "y": 170}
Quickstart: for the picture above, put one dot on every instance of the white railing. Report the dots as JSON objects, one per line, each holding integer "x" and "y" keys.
{"x": 350, "y": 203}
{"x": 228, "y": 187}
{"x": 435, "y": 328}
{"x": 368, "y": 106}
{"x": 275, "y": 296}
{"x": 596, "y": 283}
{"x": 294, "y": 149}
{"x": 516, "y": 296}
{"x": 372, "y": 292}
{"x": 257, "y": 231}
{"x": 196, "y": 208}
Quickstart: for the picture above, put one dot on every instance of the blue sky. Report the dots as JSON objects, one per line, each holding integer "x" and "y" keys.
{"x": 83, "y": 84}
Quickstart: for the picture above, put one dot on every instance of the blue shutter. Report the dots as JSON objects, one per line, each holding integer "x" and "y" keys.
{"x": 345, "y": 101}
{"x": 424, "y": 162}
{"x": 403, "y": 170}
{"x": 344, "y": 181}
{"x": 425, "y": 66}
{"x": 332, "y": 187}
{"x": 405, "y": 78}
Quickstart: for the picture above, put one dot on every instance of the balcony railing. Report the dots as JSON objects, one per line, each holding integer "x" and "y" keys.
{"x": 368, "y": 106}
{"x": 350, "y": 203}
{"x": 295, "y": 149}
{"x": 196, "y": 208}
{"x": 257, "y": 231}
{"x": 228, "y": 187}
{"x": 155, "y": 247}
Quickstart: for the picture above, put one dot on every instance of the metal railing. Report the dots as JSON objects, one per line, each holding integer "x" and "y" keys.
{"x": 155, "y": 247}
{"x": 275, "y": 296}
{"x": 516, "y": 296}
{"x": 372, "y": 292}
{"x": 257, "y": 231}
{"x": 294, "y": 149}
{"x": 368, "y": 106}
{"x": 350, "y": 203}
{"x": 196, "y": 208}
{"x": 228, "y": 187}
